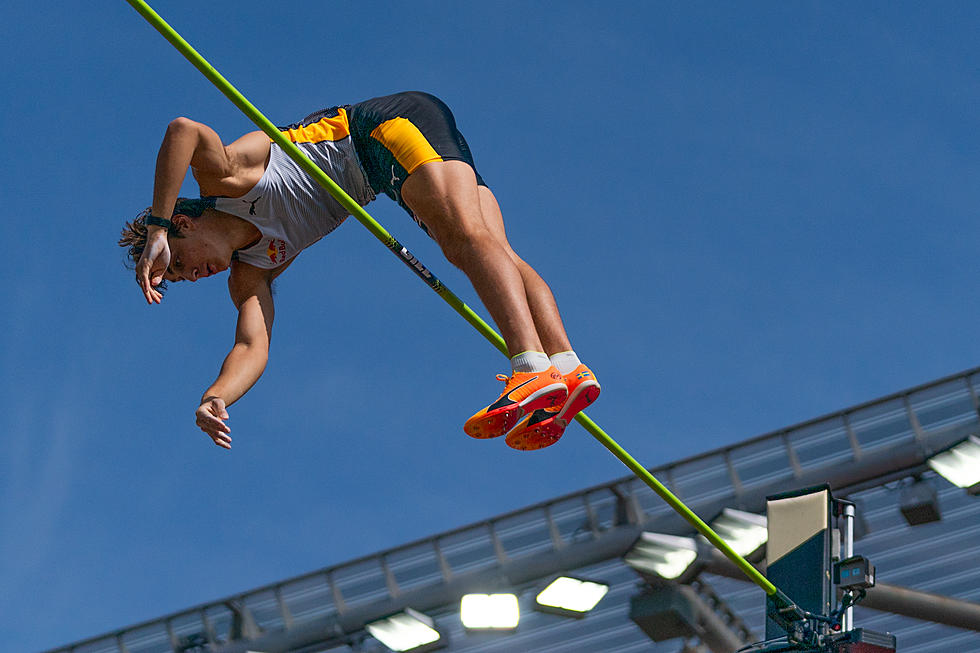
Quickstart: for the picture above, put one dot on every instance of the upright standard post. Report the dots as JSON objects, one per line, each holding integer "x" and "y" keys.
{"x": 381, "y": 234}
{"x": 847, "y": 517}
{"x": 798, "y": 552}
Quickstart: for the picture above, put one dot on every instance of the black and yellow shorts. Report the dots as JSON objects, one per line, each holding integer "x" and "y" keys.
{"x": 395, "y": 134}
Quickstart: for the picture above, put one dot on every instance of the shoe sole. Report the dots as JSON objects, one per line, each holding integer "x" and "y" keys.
{"x": 499, "y": 422}
{"x": 549, "y": 431}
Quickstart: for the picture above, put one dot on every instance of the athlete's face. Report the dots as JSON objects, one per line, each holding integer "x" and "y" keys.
{"x": 198, "y": 254}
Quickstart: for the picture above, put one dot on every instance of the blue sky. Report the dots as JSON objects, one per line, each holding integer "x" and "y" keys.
{"x": 750, "y": 214}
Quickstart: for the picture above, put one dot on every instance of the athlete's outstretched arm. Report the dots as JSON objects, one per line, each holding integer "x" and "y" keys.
{"x": 251, "y": 291}
{"x": 186, "y": 143}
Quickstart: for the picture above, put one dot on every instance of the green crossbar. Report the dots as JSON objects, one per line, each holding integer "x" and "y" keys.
{"x": 478, "y": 323}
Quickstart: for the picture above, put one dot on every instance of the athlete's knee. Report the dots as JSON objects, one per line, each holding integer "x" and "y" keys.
{"x": 463, "y": 243}
{"x": 514, "y": 257}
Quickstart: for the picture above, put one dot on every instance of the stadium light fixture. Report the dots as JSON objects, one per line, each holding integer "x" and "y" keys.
{"x": 960, "y": 465}
{"x": 669, "y": 611}
{"x": 570, "y": 597}
{"x": 489, "y": 611}
{"x": 408, "y": 630}
{"x": 919, "y": 503}
{"x": 666, "y": 556}
{"x": 745, "y": 532}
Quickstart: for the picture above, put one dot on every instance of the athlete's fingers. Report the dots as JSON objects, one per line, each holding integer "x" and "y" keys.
{"x": 224, "y": 444}
{"x": 143, "y": 279}
{"x": 213, "y": 428}
{"x": 221, "y": 439}
{"x": 217, "y": 435}
{"x": 152, "y": 295}
{"x": 212, "y": 425}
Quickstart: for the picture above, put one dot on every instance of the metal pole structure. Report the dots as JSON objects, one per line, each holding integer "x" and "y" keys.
{"x": 381, "y": 234}
{"x": 847, "y": 516}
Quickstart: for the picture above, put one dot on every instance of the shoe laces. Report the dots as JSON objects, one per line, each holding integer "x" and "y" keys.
{"x": 509, "y": 381}
{"x": 512, "y": 380}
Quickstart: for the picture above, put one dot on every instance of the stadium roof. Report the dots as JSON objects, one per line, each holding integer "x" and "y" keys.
{"x": 868, "y": 453}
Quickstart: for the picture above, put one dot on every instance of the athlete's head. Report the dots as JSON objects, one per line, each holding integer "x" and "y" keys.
{"x": 194, "y": 251}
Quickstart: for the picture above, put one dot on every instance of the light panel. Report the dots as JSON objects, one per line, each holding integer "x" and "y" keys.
{"x": 405, "y": 631}
{"x": 959, "y": 465}
{"x": 489, "y": 611}
{"x": 572, "y": 595}
{"x": 745, "y": 532}
{"x": 667, "y": 556}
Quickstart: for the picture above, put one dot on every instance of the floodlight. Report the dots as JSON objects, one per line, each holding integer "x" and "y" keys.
{"x": 489, "y": 611}
{"x": 919, "y": 503}
{"x": 745, "y": 532}
{"x": 668, "y": 611}
{"x": 570, "y": 597}
{"x": 407, "y": 631}
{"x": 960, "y": 465}
{"x": 667, "y": 556}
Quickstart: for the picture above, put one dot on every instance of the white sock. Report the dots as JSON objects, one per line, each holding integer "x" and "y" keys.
{"x": 530, "y": 361}
{"x": 565, "y": 361}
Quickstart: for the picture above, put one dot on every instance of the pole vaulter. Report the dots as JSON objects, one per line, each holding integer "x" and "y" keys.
{"x": 787, "y": 611}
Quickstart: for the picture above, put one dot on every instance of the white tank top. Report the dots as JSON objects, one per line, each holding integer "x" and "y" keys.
{"x": 290, "y": 209}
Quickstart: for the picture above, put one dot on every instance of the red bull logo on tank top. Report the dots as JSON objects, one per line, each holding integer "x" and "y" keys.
{"x": 276, "y": 251}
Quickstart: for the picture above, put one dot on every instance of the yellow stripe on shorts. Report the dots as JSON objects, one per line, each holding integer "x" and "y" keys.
{"x": 404, "y": 140}
{"x": 327, "y": 129}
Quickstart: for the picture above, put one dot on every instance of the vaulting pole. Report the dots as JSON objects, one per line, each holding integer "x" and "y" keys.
{"x": 475, "y": 320}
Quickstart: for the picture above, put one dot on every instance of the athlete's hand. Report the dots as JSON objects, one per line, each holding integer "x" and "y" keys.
{"x": 153, "y": 263}
{"x": 210, "y": 417}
